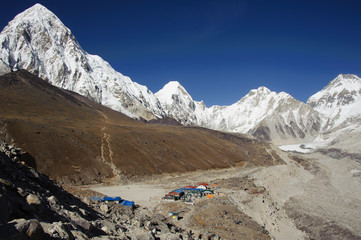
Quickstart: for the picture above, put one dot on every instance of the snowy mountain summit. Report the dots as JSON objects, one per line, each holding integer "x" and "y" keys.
{"x": 265, "y": 114}
{"x": 36, "y": 40}
{"x": 339, "y": 100}
{"x": 179, "y": 104}
{"x": 340, "y": 105}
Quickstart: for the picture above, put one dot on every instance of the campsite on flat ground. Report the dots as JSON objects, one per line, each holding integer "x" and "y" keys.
{"x": 308, "y": 188}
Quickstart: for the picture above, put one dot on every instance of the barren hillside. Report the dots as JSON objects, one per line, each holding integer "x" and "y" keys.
{"x": 75, "y": 140}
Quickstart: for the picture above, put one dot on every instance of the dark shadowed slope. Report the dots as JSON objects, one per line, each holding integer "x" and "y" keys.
{"x": 75, "y": 140}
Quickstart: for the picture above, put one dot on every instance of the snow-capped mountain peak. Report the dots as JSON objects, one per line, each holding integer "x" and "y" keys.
{"x": 277, "y": 112}
{"x": 340, "y": 91}
{"x": 179, "y": 104}
{"x": 339, "y": 100}
{"x": 169, "y": 92}
{"x": 37, "y": 11}
{"x": 260, "y": 90}
{"x": 36, "y": 40}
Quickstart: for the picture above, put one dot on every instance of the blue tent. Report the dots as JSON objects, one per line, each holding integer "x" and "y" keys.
{"x": 111, "y": 199}
{"x": 127, "y": 203}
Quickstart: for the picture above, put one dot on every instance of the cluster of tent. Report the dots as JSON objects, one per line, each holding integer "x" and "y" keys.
{"x": 187, "y": 193}
{"x": 113, "y": 199}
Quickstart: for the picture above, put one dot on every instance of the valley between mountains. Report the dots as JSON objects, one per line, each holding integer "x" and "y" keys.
{"x": 284, "y": 169}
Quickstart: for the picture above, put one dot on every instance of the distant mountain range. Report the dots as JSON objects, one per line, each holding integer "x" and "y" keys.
{"x": 37, "y": 41}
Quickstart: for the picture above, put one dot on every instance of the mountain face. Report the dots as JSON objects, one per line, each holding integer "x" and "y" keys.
{"x": 340, "y": 104}
{"x": 285, "y": 120}
{"x": 178, "y": 104}
{"x": 264, "y": 114}
{"x": 339, "y": 100}
{"x": 37, "y": 41}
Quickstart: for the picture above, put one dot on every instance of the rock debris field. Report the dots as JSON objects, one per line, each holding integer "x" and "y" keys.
{"x": 311, "y": 196}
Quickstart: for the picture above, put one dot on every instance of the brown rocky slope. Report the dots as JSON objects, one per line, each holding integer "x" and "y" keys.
{"x": 75, "y": 140}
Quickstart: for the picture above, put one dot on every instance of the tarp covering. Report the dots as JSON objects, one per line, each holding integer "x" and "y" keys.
{"x": 110, "y": 199}
{"x": 127, "y": 203}
{"x": 178, "y": 190}
{"x": 191, "y": 189}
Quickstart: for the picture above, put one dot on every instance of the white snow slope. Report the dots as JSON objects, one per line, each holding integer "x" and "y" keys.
{"x": 339, "y": 100}
{"x": 284, "y": 117}
{"x": 36, "y": 40}
{"x": 340, "y": 103}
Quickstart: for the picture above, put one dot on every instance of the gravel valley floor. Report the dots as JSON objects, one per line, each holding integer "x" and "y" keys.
{"x": 312, "y": 196}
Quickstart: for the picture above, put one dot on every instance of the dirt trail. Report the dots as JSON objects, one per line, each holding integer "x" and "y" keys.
{"x": 105, "y": 148}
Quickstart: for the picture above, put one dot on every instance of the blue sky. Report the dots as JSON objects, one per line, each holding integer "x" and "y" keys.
{"x": 217, "y": 49}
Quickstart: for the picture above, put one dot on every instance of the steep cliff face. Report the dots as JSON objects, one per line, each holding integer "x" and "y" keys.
{"x": 36, "y": 40}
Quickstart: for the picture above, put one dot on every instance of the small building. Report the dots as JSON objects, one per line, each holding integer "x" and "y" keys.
{"x": 203, "y": 184}
{"x": 191, "y": 193}
{"x": 192, "y": 190}
{"x": 207, "y": 191}
{"x": 175, "y": 194}
{"x": 170, "y": 197}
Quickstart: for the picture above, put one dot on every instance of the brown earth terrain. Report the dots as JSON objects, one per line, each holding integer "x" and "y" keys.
{"x": 77, "y": 141}
{"x": 312, "y": 196}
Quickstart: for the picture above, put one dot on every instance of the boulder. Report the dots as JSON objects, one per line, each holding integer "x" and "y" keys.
{"x": 52, "y": 200}
{"x": 108, "y": 227}
{"x": 32, "y": 228}
{"x": 78, "y": 235}
{"x": 60, "y": 230}
{"x": 84, "y": 212}
{"x": 33, "y": 199}
{"x": 104, "y": 208}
